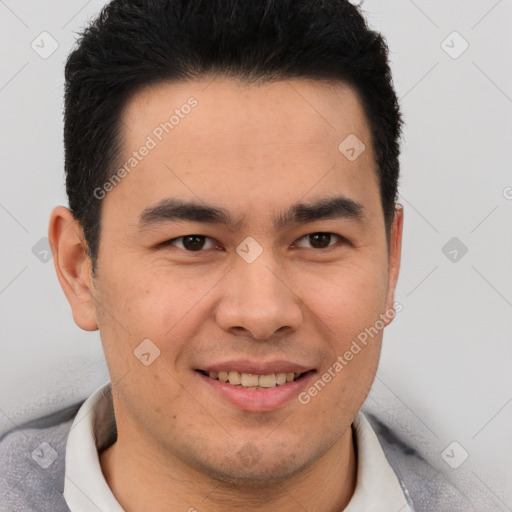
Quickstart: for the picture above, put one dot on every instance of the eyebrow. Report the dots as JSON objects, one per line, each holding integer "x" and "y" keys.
{"x": 173, "y": 210}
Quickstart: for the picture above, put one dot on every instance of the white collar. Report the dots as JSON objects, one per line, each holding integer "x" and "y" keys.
{"x": 94, "y": 429}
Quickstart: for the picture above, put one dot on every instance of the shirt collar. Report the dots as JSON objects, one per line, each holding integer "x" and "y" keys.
{"x": 94, "y": 429}
{"x": 378, "y": 488}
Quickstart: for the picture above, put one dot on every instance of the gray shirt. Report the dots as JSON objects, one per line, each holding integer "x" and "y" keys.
{"x": 33, "y": 471}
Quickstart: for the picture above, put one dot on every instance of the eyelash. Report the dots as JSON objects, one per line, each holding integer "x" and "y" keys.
{"x": 305, "y": 237}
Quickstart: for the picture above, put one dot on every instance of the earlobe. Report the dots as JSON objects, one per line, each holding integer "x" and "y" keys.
{"x": 73, "y": 266}
{"x": 395, "y": 252}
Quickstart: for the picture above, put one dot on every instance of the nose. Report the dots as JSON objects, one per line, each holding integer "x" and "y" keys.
{"x": 257, "y": 299}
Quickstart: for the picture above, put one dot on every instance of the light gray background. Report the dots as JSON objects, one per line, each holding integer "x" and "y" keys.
{"x": 447, "y": 357}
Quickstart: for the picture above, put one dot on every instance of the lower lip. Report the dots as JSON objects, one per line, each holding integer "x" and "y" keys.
{"x": 258, "y": 400}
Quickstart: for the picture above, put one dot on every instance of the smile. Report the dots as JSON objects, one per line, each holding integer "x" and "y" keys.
{"x": 255, "y": 388}
{"x": 253, "y": 381}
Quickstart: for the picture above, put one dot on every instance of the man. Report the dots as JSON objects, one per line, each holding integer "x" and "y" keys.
{"x": 232, "y": 229}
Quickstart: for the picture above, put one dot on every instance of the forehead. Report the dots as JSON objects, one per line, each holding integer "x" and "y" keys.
{"x": 233, "y": 144}
{"x": 311, "y": 111}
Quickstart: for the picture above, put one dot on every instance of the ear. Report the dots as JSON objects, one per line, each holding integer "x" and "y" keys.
{"x": 395, "y": 252}
{"x": 73, "y": 266}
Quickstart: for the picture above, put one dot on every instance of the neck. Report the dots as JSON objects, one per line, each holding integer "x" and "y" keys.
{"x": 140, "y": 481}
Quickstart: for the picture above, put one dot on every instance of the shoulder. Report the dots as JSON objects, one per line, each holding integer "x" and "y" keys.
{"x": 32, "y": 457}
{"x": 429, "y": 489}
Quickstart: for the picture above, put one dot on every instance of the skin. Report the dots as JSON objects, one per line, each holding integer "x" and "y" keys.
{"x": 254, "y": 150}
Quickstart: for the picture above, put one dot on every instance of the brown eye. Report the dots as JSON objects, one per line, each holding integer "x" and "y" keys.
{"x": 191, "y": 243}
{"x": 319, "y": 240}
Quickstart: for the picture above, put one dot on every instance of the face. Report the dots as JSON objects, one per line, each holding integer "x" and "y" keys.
{"x": 243, "y": 240}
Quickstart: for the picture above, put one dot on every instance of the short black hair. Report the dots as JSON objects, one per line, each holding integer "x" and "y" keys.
{"x": 138, "y": 43}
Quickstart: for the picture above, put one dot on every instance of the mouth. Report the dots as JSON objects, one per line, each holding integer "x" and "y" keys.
{"x": 255, "y": 386}
{"x": 252, "y": 380}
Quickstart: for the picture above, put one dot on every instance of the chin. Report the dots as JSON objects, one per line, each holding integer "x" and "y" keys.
{"x": 254, "y": 475}
{"x": 253, "y": 479}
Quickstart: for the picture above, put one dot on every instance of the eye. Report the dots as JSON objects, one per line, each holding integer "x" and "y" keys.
{"x": 320, "y": 240}
{"x": 196, "y": 243}
{"x": 190, "y": 243}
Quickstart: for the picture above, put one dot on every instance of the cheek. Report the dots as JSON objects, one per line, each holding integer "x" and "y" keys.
{"x": 141, "y": 297}
{"x": 157, "y": 303}
{"x": 350, "y": 298}
{"x": 349, "y": 305}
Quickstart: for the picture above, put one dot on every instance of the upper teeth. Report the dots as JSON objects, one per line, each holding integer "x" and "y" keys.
{"x": 250, "y": 380}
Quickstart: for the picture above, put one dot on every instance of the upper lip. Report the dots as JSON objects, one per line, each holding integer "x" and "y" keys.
{"x": 257, "y": 368}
